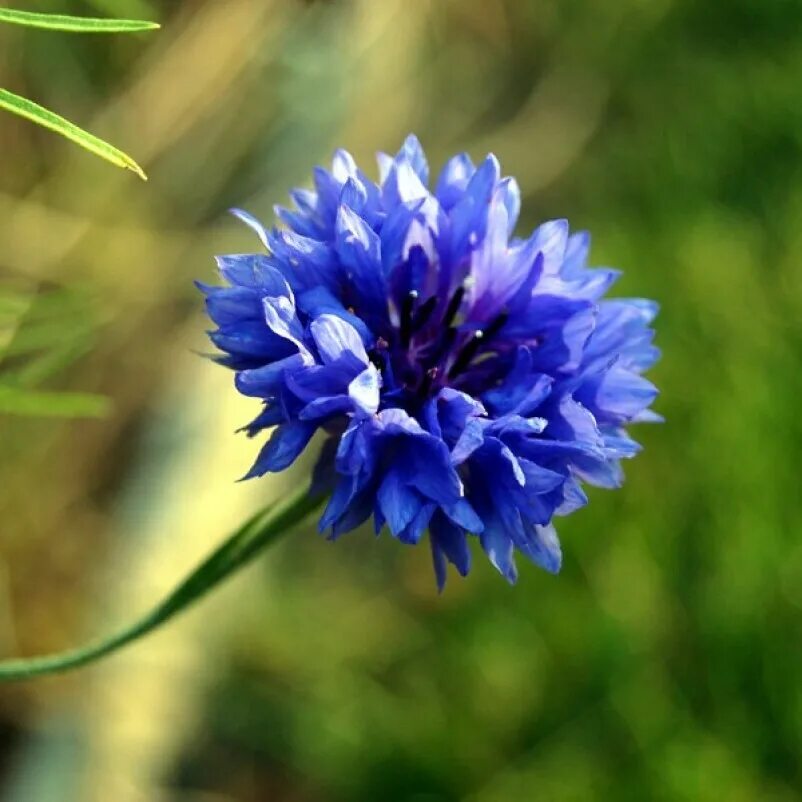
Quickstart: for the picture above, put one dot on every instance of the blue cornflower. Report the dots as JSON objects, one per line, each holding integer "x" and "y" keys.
{"x": 466, "y": 382}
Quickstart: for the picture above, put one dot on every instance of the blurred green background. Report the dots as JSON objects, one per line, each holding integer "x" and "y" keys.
{"x": 662, "y": 664}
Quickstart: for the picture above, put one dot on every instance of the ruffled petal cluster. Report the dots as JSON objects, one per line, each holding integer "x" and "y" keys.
{"x": 465, "y": 382}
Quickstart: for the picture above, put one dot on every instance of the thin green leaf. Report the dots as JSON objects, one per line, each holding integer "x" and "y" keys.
{"x": 42, "y": 403}
{"x": 41, "y": 334}
{"x": 60, "y": 22}
{"x": 46, "y": 334}
{"x": 43, "y": 367}
{"x": 46, "y": 304}
{"x": 42, "y": 116}
{"x": 240, "y": 548}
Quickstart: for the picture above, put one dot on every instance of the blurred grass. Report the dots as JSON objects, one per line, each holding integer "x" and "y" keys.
{"x": 662, "y": 663}
{"x": 41, "y": 335}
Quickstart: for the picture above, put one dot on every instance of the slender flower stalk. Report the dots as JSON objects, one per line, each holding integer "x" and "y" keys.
{"x": 465, "y": 382}
{"x": 255, "y": 535}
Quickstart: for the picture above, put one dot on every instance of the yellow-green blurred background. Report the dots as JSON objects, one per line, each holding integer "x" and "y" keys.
{"x": 663, "y": 663}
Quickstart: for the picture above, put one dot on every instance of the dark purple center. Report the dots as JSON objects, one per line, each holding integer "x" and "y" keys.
{"x": 431, "y": 349}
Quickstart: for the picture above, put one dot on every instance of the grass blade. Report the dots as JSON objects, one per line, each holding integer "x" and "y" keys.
{"x": 42, "y": 116}
{"x": 60, "y": 22}
{"x": 46, "y": 404}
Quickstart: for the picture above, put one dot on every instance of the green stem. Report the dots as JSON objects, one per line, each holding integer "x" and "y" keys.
{"x": 240, "y": 548}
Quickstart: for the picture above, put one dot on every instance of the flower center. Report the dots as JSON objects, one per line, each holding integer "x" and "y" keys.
{"x": 431, "y": 349}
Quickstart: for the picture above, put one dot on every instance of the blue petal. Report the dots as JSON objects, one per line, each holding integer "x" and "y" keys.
{"x": 576, "y": 254}
{"x": 496, "y": 274}
{"x": 358, "y": 511}
{"x": 617, "y": 395}
{"x": 326, "y": 407}
{"x": 398, "y": 502}
{"x": 543, "y": 548}
{"x": 604, "y": 473}
{"x": 299, "y": 223}
{"x": 283, "y": 448}
{"x": 408, "y": 236}
{"x": 552, "y": 241}
{"x": 328, "y": 193}
{"x": 306, "y": 262}
{"x": 572, "y": 421}
{"x": 620, "y": 446}
{"x": 415, "y": 529}
{"x": 356, "y": 454}
{"x": 428, "y": 417}
{"x": 252, "y": 223}
{"x": 464, "y": 516}
{"x": 320, "y": 300}
{"x": 499, "y": 547}
{"x": 648, "y": 416}
{"x": 522, "y": 390}
{"x": 344, "y": 493}
{"x": 531, "y": 268}
{"x": 253, "y": 270}
{"x": 505, "y": 465}
{"x": 402, "y": 185}
{"x": 385, "y": 163}
{"x": 448, "y": 542}
{"x": 454, "y": 179}
{"x": 560, "y": 327}
{"x": 538, "y": 478}
{"x": 469, "y": 216}
{"x": 281, "y": 318}
{"x": 398, "y": 422}
{"x": 622, "y": 329}
{"x": 270, "y": 416}
{"x": 573, "y": 497}
{"x": 510, "y": 194}
{"x": 516, "y": 424}
{"x": 343, "y": 166}
{"x": 354, "y": 196}
{"x": 455, "y": 409}
{"x": 251, "y": 339}
{"x": 359, "y": 249}
{"x": 358, "y": 246}
{"x": 265, "y": 382}
{"x": 335, "y": 338}
{"x": 430, "y": 470}
{"x": 305, "y": 201}
{"x": 364, "y": 390}
{"x": 412, "y": 152}
{"x": 471, "y": 438}
{"x": 231, "y": 305}
{"x": 314, "y": 381}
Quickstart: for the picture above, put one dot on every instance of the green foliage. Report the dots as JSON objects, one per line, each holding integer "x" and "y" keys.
{"x": 41, "y": 116}
{"x": 41, "y": 335}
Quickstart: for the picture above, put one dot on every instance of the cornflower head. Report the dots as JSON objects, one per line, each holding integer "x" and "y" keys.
{"x": 466, "y": 382}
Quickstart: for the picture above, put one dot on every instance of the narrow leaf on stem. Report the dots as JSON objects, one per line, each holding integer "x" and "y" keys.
{"x": 44, "y": 117}
{"x": 61, "y": 22}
